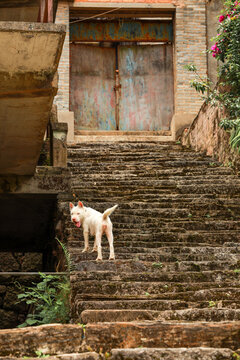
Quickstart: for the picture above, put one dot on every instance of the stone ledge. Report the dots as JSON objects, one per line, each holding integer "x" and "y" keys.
{"x": 49, "y": 339}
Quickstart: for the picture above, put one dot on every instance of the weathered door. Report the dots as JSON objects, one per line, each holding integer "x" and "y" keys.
{"x": 92, "y": 96}
{"x": 146, "y": 77}
{"x": 115, "y": 86}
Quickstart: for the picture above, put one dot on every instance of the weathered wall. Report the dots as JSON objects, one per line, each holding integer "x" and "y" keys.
{"x": 206, "y": 136}
{"x": 214, "y": 8}
{"x": 27, "y": 90}
{"x": 13, "y": 313}
{"x": 190, "y": 46}
{"x": 62, "y": 98}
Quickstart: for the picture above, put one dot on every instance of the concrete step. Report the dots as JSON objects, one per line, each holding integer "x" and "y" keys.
{"x": 195, "y": 353}
{"x": 205, "y": 314}
{"x": 162, "y": 334}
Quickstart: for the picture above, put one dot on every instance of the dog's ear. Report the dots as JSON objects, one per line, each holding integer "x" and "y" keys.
{"x": 71, "y": 205}
{"x": 80, "y": 204}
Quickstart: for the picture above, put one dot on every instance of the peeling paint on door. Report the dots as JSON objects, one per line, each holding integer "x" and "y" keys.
{"x": 147, "y": 87}
{"x": 123, "y": 30}
{"x": 92, "y": 96}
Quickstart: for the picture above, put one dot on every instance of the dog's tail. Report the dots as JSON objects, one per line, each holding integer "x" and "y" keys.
{"x": 109, "y": 211}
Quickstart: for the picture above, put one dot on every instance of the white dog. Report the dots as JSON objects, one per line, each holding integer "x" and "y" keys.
{"x": 96, "y": 223}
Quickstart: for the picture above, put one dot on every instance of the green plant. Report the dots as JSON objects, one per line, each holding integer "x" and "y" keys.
{"x": 49, "y": 298}
{"x": 226, "y": 50}
{"x": 212, "y": 304}
{"x": 237, "y": 271}
{"x": 40, "y": 354}
{"x": 158, "y": 265}
{"x": 236, "y": 356}
{"x": 189, "y": 215}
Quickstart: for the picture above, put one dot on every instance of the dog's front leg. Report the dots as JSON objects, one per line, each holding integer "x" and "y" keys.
{"x": 86, "y": 243}
{"x": 99, "y": 246}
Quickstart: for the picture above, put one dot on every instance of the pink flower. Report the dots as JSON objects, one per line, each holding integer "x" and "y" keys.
{"x": 221, "y": 18}
{"x": 214, "y": 54}
{"x": 213, "y": 48}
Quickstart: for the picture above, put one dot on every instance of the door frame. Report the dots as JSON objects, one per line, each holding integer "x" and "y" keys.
{"x": 153, "y": 11}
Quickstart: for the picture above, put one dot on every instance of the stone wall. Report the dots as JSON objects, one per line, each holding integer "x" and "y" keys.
{"x": 206, "y": 136}
{"x": 13, "y": 313}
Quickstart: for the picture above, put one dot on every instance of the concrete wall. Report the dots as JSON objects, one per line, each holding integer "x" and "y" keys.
{"x": 27, "y": 90}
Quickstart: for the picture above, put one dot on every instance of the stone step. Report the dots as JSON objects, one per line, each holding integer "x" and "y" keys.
{"x": 195, "y": 292}
{"x": 205, "y": 314}
{"x": 120, "y": 266}
{"x": 48, "y": 339}
{"x": 152, "y": 183}
{"x": 161, "y": 278}
{"x": 139, "y": 216}
{"x": 119, "y": 165}
{"x": 153, "y": 257}
{"x": 72, "y": 356}
{"x": 163, "y": 201}
{"x": 193, "y": 238}
{"x": 162, "y": 334}
{"x": 194, "y": 353}
{"x": 79, "y": 305}
{"x": 211, "y": 251}
{"x": 159, "y": 290}
{"x": 150, "y": 192}
{"x": 154, "y": 225}
{"x": 154, "y": 171}
{"x": 85, "y": 156}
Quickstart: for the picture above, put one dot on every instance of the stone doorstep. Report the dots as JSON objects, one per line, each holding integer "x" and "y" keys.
{"x": 78, "y": 139}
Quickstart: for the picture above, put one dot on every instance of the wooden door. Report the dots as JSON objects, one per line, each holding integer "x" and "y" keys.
{"x": 92, "y": 96}
{"x": 146, "y": 77}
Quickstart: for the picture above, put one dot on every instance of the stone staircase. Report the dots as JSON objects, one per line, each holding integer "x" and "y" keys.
{"x": 173, "y": 291}
{"x": 175, "y": 281}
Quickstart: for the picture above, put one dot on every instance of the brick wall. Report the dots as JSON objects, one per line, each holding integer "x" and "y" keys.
{"x": 62, "y": 98}
{"x": 190, "y": 47}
